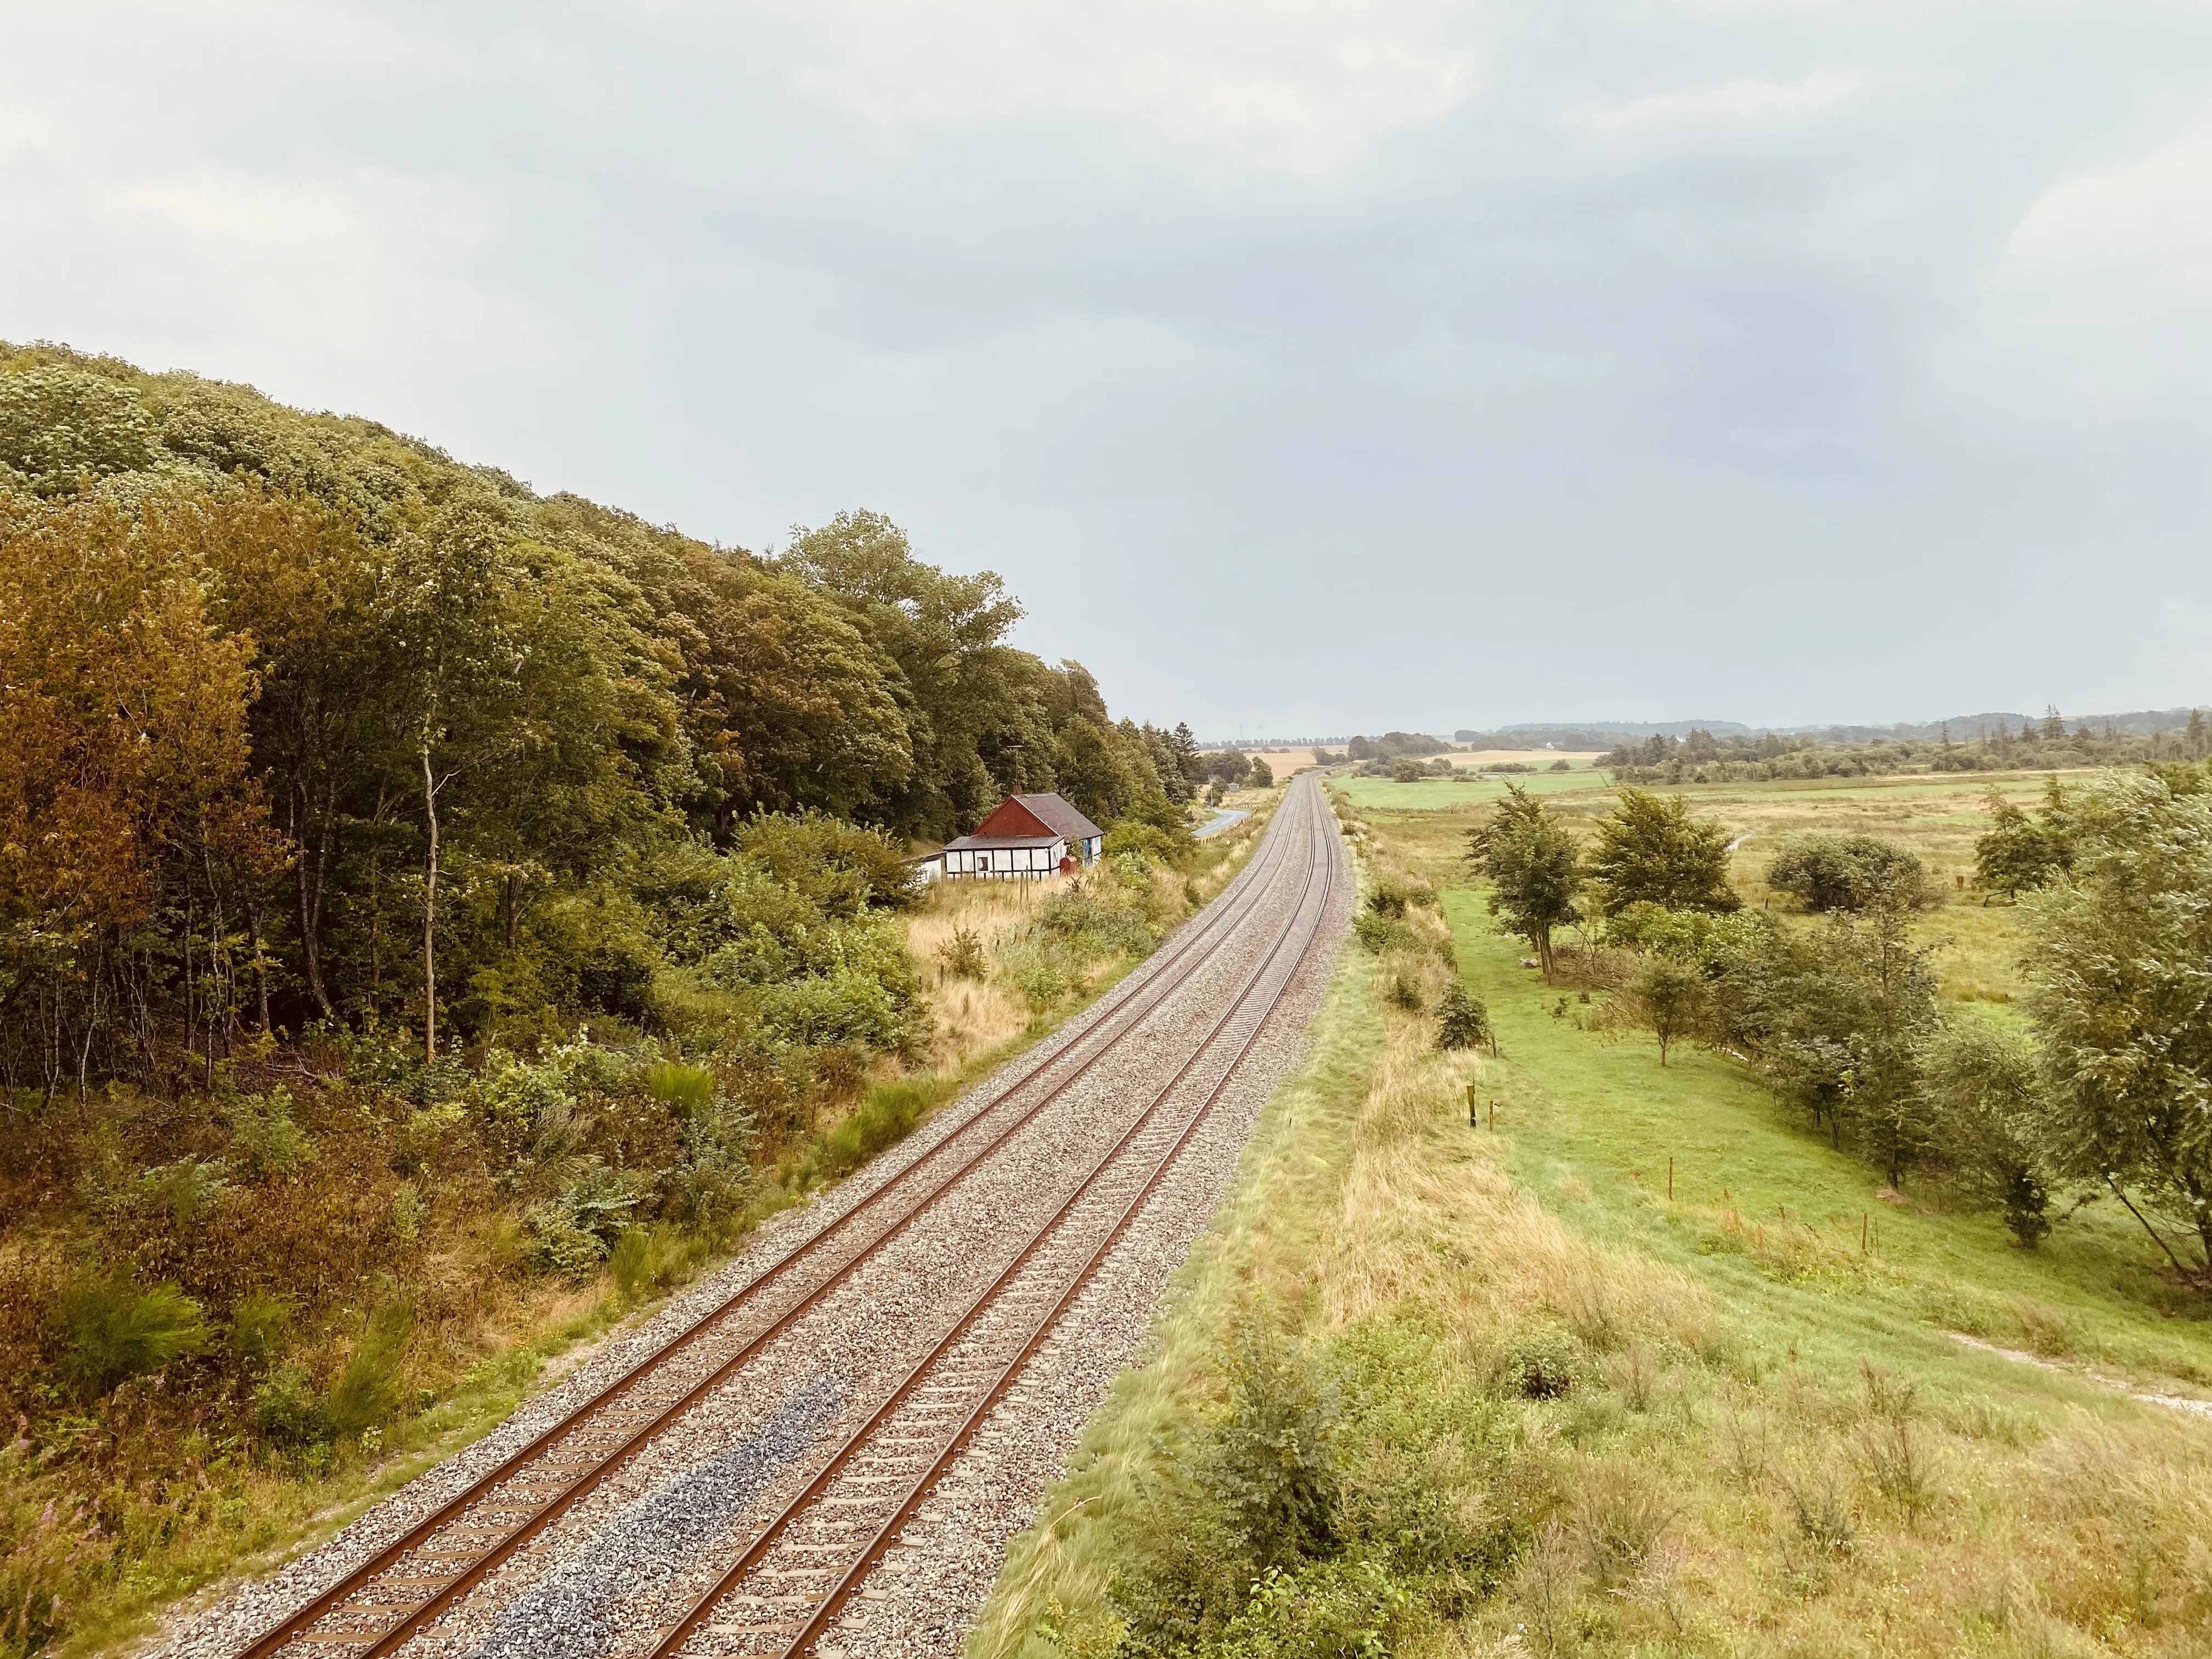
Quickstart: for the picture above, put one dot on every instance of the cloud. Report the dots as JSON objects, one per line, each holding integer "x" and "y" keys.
{"x": 1729, "y": 113}
{"x": 2107, "y": 278}
{"x": 1316, "y": 365}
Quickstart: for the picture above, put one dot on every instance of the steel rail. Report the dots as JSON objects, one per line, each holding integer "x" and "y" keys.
{"x": 1249, "y": 890}
{"x": 674, "y": 1638}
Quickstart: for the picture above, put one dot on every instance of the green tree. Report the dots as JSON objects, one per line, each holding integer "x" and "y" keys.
{"x": 2020, "y": 852}
{"x": 1846, "y": 872}
{"x": 1840, "y": 1016}
{"x": 1985, "y": 1099}
{"x": 1463, "y": 1022}
{"x": 942, "y": 632}
{"x": 1672, "y": 995}
{"x": 1649, "y": 850}
{"x": 2120, "y": 961}
{"x": 1528, "y": 858}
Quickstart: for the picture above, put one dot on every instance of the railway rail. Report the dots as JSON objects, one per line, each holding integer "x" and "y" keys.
{"x": 881, "y": 1474}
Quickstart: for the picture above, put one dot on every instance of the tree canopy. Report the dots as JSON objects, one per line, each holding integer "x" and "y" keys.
{"x": 1649, "y": 850}
{"x": 1529, "y": 860}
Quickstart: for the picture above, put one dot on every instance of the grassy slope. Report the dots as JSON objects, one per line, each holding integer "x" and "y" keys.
{"x": 2064, "y": 1517}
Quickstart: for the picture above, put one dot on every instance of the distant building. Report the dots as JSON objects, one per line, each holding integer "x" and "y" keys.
{"x": 1025, "y": 837}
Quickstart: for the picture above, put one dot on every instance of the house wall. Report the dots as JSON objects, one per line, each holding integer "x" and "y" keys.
{"x": 1006, "y": 863}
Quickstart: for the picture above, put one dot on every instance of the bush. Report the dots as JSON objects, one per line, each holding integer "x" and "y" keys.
{"x": 634, "y": 1259}
{"x": 257, "y": 1319}
{"x": 887, "y": 1114}
{"x": 1542, "y": 1365}
{"x": 840, "y": 866}
{"x": 285, "y": 1407}
{"x": 368, "y": 1389}
{"x": 1672, "y": 997}
{"x": 1463, "y": 1022}
{"x": 961, "y": 957}
{"x": 690, "y": 1088}
{"x": 1847, "y": 872}
{"x": 1379, "y": 934}
{"x": 570, "y": 1234}
{"x": 1328, "y": 1609}
{"x": 111, "y": 1332}
{"x": 1392, "y": 898}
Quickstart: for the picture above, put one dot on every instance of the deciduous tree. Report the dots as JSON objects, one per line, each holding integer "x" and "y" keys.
{"x": 1529, "y": 860}
{"x": 1649, "y": 850}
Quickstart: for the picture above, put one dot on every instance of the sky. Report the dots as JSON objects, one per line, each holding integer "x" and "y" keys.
{"x": 1305, "y": 368}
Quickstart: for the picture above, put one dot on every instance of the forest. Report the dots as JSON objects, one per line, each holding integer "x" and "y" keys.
{"x": 420, "y": 898}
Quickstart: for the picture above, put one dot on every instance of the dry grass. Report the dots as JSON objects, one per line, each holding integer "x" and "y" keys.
{"x": 973, "y": 1016}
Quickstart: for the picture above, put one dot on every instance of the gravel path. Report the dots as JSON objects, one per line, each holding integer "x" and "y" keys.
{"x": 642, "y": 1539}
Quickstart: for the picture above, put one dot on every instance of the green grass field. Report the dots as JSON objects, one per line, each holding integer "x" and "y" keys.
{"x": 1770, "y": 1216}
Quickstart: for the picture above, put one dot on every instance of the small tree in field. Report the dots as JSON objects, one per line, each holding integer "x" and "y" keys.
{"x": 1261, "y": 776}
{"x": 2020, "y": 852}
{"x": 1463, "y": 1022}
{"x": 1649, "y": 850}
{"x": 1672, "y": 994}
{"x": 1528, "y": 858}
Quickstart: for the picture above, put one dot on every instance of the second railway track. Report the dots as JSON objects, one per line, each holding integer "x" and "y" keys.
{"x": 914, "y": 1303}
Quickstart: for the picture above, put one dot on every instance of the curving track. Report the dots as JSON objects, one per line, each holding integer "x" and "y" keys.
{"x": 824, "y": 1449}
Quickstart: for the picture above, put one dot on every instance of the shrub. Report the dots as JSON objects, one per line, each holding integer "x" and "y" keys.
{"x": 961, "y": 957}
{"x": 1847, "y": 872}
{"x": 257, "y": 1319}
{"x": 570, "y": 1234}
{"x": 1379, "y": 934}
{"x": 633, "y": 1259}
{"x": 840, "y": 866}
{"x": 111, "y": 1332}
{"x": 286, "y": 1409}
{"x": 1542, "y": 1365}
{"x": 886, "y": 1114}
{"x": 263, "y": 1127}
{"x": 1672, "y": 997}
{"x": 1319, "y": 1612}
{"x": 1463, "y": 1022}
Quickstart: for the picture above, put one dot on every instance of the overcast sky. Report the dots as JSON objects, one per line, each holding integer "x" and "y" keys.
{"x": 1304, "y": 368}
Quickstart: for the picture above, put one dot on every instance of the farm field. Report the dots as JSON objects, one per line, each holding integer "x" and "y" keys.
{"x": 1777, "y": 1439}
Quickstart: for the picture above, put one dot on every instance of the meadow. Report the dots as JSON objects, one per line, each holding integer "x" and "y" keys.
{"x": 1785, "y": 1412}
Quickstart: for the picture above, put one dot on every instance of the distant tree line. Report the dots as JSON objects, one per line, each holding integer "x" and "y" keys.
{"x": 1698, "y": 757}
{"x": 2102, "y": 1094}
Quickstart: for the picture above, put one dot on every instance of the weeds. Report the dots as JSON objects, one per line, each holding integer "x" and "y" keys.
{"x": 1621, "y": 1517}
{"x": 1820, "y": 1510}
{"x": 1548, "y": 1590}
{"x": 110, "y": 1331}
{"x": 961, "y": 955}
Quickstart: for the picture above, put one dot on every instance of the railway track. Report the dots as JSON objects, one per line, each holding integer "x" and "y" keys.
{"x": 795, "y": 1572}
